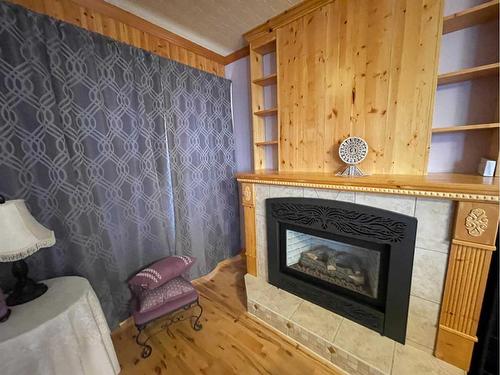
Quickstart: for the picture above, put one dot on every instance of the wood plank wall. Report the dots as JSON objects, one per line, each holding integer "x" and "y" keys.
{"x": 359, "y": 68}
{"x": 106, "y": 19}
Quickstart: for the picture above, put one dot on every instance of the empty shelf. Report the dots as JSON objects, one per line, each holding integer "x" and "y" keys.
{"x": 461, "y": 128}
{"x": 470, "y": 17}
{"x": 265, "y": 45}
{"x": 266, "y": 112}
{"x": 266, "y": 81}
{"x": 266, "y": 143}
{"x": 469, "y": 73}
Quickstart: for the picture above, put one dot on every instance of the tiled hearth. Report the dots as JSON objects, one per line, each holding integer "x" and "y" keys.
{"x": 349, "y": 346}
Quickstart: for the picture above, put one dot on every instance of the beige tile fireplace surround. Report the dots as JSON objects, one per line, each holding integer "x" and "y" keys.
{"x": 350, "y": 346}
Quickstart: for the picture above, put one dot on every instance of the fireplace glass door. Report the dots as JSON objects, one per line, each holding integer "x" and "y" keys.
{"x": 336, "y": 264}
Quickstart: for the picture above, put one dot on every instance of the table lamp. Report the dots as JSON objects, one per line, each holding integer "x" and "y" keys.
{"x": 21, "y": 236}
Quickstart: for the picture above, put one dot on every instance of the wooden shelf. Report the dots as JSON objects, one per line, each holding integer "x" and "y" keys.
{"x": 470, "y": 17}
{"x": 266, "y": 143}
{"x": 263, "y": 156}
{"x": 269, "y": 80}
{"x": 461, "y": 128}
{"x": 267, "y": 112}
{"x": 264, "y": 45}
{"x": 266, "y": 48}
{"x": 469, "y": 73}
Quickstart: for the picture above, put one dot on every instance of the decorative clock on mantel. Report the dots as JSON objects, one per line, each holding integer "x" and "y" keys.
{"x": 352, "y": 151}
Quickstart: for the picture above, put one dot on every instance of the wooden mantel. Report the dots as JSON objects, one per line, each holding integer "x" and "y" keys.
{"x": 452, "y": 186}
{"x": 473, "y": 239}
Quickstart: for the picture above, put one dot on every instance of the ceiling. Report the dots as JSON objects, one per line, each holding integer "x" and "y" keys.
{"x": 215, "y": 24}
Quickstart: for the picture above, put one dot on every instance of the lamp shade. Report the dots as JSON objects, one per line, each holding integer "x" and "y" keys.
{"x": 20, "y": 234}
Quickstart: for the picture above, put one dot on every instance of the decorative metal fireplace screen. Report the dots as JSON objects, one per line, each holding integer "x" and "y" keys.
{"x": 352, "y": 259}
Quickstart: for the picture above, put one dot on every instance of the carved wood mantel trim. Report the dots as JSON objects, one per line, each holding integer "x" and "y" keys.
{"x": 468, "y": 266}
{"x": 248, "y": 203}
{"x": 381, "y": 190}
{"x": 437, "y": 185}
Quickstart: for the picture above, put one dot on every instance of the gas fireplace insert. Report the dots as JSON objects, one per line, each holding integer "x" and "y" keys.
{"x": 352, "y": 259}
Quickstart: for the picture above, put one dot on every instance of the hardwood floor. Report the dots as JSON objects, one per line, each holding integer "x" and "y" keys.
{"x": 231, "y": 342}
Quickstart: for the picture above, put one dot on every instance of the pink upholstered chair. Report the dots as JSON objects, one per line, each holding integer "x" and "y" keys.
{"x": 160, "y": 291}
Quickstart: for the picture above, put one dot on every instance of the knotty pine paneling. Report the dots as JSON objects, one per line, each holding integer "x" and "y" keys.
{"x": 91, "y": 19}
{"x": 359, "y": 68}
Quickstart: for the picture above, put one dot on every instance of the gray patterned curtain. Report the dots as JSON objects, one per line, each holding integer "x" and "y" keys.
{"x": 84, "y": 122}
{"x": 201, "y": 147}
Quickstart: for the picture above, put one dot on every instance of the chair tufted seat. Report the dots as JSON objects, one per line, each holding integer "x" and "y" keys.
{"x": 152, "y": 304}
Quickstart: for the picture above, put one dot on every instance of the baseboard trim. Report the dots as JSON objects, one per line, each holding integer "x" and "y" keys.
{"x": 222, "y": 263}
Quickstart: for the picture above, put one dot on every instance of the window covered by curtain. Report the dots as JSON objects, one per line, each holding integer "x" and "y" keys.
{"x": 84, "y": 123}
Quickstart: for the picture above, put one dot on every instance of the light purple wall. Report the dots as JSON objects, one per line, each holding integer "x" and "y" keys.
{"x": 469, "y": 102}
{"x": 239, "y": 73}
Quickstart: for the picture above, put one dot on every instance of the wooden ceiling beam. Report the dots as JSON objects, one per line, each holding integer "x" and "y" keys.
{"x": 236, "y": 55}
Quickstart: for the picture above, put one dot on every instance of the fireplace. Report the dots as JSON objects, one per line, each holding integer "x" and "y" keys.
{"x": 351, "y": 259}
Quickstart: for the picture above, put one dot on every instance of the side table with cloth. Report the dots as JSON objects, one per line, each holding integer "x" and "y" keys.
{"x": 62, "y": 332}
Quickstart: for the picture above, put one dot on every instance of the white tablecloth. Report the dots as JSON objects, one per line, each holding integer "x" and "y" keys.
{"x": 63, "y": 332}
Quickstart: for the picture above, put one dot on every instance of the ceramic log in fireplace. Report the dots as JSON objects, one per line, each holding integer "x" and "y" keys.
{"x": 351, "y": 259}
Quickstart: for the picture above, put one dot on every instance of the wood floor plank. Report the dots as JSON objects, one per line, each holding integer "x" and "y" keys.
{"x": 231, "y": 341}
